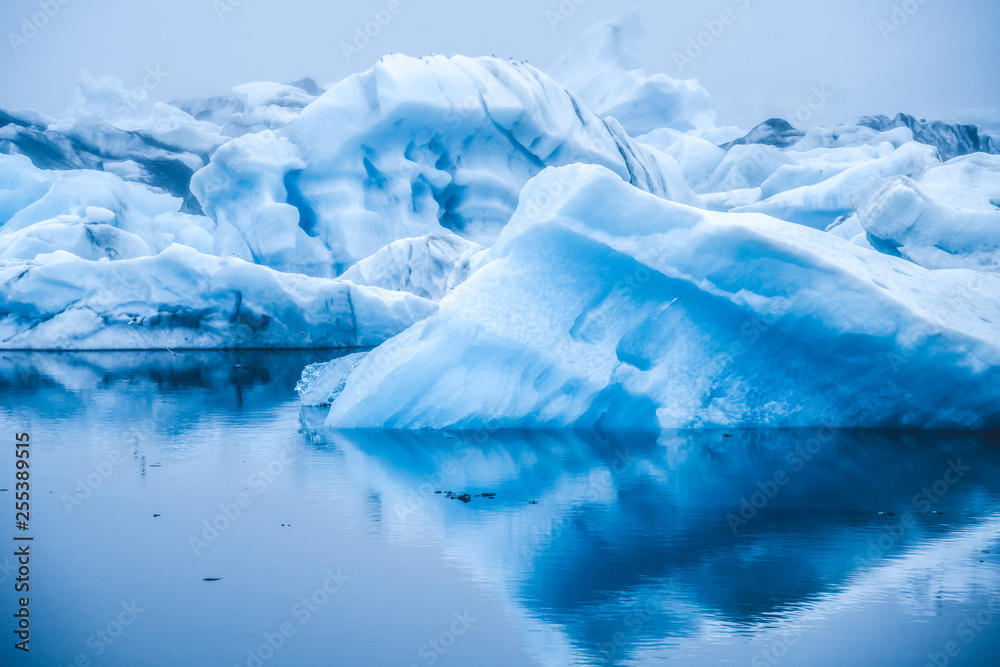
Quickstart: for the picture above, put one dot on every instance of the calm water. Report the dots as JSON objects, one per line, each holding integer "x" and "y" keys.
{"x": 853, "y": 548}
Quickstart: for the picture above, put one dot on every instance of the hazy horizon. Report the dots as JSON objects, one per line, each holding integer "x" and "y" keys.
{"x": 759, "y": 60}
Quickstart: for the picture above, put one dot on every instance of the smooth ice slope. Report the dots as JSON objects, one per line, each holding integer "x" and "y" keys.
{"x": 181, "y": 299}
{"x": 606, "y": 306}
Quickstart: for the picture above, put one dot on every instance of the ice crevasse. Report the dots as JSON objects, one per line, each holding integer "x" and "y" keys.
{"x": 604, "y": 306}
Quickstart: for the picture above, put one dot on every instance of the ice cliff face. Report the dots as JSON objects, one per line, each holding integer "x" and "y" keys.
{"x": 582, "y": 247}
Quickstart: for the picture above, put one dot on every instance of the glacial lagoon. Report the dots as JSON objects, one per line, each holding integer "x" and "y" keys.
{"x": 186, "y": 510}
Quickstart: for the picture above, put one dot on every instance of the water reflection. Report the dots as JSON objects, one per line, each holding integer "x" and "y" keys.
{"x": 642, "y": 542}
{"x": 815, "y": 546}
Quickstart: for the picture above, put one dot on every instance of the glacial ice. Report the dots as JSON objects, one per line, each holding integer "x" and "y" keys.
{"x": 900, "y": 217}
{"x": 818, "y": 194}
{"x": 429, "y": 266}
{"x": 322, "y": 383}
{"x": 610, "y": 307}
{"x": 658, "y": 271}
{"x": 181, "y": 299}
{"x": 91, "y": 214}
{"x": 414, "y": 146}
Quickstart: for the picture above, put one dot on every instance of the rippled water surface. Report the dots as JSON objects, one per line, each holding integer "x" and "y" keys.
{"x": 154, "y": 472}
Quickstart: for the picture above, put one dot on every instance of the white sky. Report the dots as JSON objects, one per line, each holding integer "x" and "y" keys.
{"x": 943, "y": 62}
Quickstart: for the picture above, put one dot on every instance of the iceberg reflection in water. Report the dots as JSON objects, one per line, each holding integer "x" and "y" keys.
{"x": 851, "y": 547}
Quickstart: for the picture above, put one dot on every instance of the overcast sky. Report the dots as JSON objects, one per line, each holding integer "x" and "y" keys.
{"x": 943, "y": 61}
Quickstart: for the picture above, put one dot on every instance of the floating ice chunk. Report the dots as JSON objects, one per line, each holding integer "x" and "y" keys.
{"x": 322, "y": 383}
{"x": 609, "y": 307}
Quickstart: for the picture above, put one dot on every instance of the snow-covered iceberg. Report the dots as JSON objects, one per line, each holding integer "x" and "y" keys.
{"x": 605, "y": 306}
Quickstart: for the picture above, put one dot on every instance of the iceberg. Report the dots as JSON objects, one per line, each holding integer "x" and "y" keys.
{"x": 822, "y": 186}
{"x": 109, "y": 128}
{"x": 91, "y": 214}
{"x": 182, "y": 299}
{"x": 610, "y": 307}
{"x": 253, "y": 107}
{"x": 583, "y": 247}
{"x": 951, "y": 140}
{"x": 414, "y": 146}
